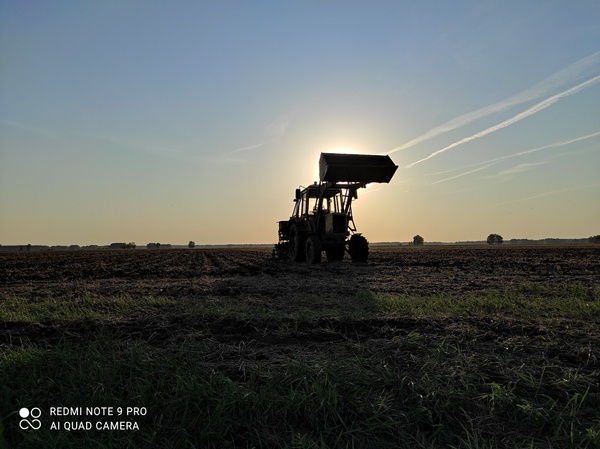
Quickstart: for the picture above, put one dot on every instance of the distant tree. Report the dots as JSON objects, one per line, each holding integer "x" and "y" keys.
{"x": 131, "y": 245}
{"x": 191, "y": 244}
{"x": 495, "y": 239}
{"x": 594, "y": 239}
{"x": 418, "y": 240}
{"x": 29, "y": 247}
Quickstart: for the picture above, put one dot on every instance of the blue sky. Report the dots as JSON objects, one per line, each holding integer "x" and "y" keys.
{"x": 176, "y": 121}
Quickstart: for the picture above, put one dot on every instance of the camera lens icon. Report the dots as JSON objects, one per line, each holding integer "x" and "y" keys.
{"x": 34, "y": 423}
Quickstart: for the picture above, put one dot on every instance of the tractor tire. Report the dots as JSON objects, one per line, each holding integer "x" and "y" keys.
{"x": 313, "y": 249}
{"x": 358, "y": 248}
{"x": 296, "y": 247}
{"x": 336, "y": 253}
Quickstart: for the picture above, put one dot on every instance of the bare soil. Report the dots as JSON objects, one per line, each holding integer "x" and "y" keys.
{"x": 418, "y": 270}
{"x": 249, "y": 278}
{"x": 244, "y": 315}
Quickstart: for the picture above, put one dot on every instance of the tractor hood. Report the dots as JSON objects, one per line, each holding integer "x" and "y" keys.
{"x": 366, "y": 168}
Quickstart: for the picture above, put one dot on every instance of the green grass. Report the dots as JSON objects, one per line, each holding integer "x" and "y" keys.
{"x": 450, "y": 399}
{"x": 295, "y": 406}
{"x": 525, "y": 301}
{"x": 420, "y": 388}
{"x": 86, "y": 307}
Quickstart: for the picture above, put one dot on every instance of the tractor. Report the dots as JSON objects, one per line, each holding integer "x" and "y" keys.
{"x": 322, "y": 217}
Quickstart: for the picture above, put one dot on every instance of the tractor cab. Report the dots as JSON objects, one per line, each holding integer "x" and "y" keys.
{"x": 317, "y": 198}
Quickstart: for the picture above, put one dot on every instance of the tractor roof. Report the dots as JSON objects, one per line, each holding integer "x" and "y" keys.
{"x": 315, "y": 189}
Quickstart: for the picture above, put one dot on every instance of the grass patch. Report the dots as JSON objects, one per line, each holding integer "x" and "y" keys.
{"x": 295, "y": 406}
{"x": 86, "y": 307}
{"x": 526, "y": 301}
{"x": 283, "y": 380}
{"x": 433, "y": 395}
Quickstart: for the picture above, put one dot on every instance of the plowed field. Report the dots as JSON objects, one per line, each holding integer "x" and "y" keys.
{"x": 237, "y": 273}
{"x": 238, "y": 312}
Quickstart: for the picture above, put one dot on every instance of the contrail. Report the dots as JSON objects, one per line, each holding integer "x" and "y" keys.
{"x": 250, "y": 147}
{"x": 460, "y": 175}
{"x": 274, "y": 130}
{"x": 569, "y": 74}
{"x": 520, "y": 168}
{"x": 511, "y": 121}
{"x": 561, "y": 143}
{"x": 491, "y": 162}
{"x": 29, "y": 128}
{"x": 551, "y": 192}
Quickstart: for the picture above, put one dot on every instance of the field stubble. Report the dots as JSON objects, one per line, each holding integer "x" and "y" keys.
{"x": 421, "y": 347}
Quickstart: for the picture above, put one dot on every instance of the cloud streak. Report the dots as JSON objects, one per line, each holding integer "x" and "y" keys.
{"x": 29, "y": 128}
{"x": 511, "y": 121}
{"x": 274, "y": 130}
{"x": 251, "y": 147}
{"x": 550, "y": 192}
{"x": 489, "y": 163}
{"x": 570, "y": 74}
{"x": 460, "y": 175}
{"x": 520, "y": 168}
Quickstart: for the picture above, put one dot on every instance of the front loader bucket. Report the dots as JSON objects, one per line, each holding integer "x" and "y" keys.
{"x": 337, "y": 167}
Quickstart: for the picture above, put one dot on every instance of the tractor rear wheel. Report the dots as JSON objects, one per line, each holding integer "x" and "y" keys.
{"x": 358, "y": 248}
{"x": 296, "y": 248}
{"x": 313, "y": 249}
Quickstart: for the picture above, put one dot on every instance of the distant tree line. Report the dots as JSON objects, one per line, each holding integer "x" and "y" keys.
{"x": 492, "y": 239}
{"x": 112, "y": 246}
{"x": 130, "y": 245}
{"x": 158, "y": 246}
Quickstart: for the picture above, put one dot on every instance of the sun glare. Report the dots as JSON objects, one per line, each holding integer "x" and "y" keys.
{"x": 347, "y": 150}
{"x": 337, "y": 149}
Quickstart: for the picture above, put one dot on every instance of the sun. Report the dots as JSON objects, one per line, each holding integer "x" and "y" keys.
{"x": 330, "y": 149}
{"x": 342, "y": 149}
{"x": 333, "y": 149}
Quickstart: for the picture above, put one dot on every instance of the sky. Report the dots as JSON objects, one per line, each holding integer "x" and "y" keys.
{"x": 153, "y": 121}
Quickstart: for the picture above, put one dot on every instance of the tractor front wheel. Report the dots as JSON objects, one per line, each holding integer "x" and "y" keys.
{"x": 296, "y": 247}
{"x": 313, "y": 249}
{"x": 358, "y": 248}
